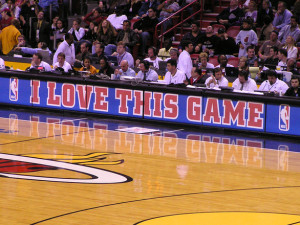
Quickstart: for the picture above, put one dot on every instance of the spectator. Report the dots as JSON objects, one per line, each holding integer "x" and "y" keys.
{"x": 252, "y": 12}
{"x": 14, "y": 9}
{"x": 84, "y": 52}
{"x": 292, "y": 51}
{"x": 54, "y": 23}
{"x": 174, "y": 75}
{"x": 291, "y": 29}
{"x": 152, "y": 57}
{"x": 209, "y": 41}
{"x": 45, "y": 5}
{"x": 62, "y": 63}
{"x": 185, "y": 63}
{"x": 251, "y": 57}
{"x": 223, "y": 63}
{"x": 264, "y": 51}
{"x": 244, "y": 83}
{"x": 67, "y": 47}
{"x": 294, "y": 90}
{"x": 106, "y": 33}
{"x": 296, "y": 10}
{"x": 37, "y": 62}
{"x": 94, "y": 16}
{"x": 174, "y": 54}
{"x": 105, "y": 67}
{"x": 145, "y": 28}
{"x": 216, "y": 80}
{"x": 266, "y": 29}
{"x": 77, "y": 31}
{"x": 197, "y": 77}
{"x": 243, "y": 63}
{"x": 132, "y": 8}
{"x": 272, "y": 60}
{"x": 291, "y": 67}
{"x": 9, "y": 36}
{"x": 204, "y": 64}
{"x": 246, "y": 37}
{"x": 21, "y": 43}
{"x": 194, "y": 36}
{"x": 273, "y": 83}
{"x": 124, "y": 71}
{"x": 60, "y": 31}
{"x": 128, "y": 37}
{"x": 146, "y": 6}
{"x": 40, "y": 30}
{"x": 91, "y": 32}
{"x": 99, "y": 52}
{"x": 87, "y": 66}
{"x": 6, "y": 18}
{"x": 164, "y": 53}
{"x": 264, "y": 11}
{"x": 167, "y": 8}
{"x": 226, "y": 45}
{"x": 31, "y": 51}
{"x": 146, "y": 73}
{"x": 117, "y": 19}
{"x": 282, "y": 17}
{"x": 122, "y": 54}
{"x": 231, "y": 15}
{"x": 282, "y": 56}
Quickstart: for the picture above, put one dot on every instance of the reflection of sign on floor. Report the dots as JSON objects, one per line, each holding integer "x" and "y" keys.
{"x": 137, "y": 130}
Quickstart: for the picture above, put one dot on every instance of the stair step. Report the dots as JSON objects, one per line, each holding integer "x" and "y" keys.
{"x": 219, "y": 9}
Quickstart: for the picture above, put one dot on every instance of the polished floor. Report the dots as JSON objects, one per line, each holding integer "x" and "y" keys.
{"x": 69, "y": 170}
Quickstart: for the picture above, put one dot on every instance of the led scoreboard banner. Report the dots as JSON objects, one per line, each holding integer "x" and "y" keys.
{"x": 203, "y": 107}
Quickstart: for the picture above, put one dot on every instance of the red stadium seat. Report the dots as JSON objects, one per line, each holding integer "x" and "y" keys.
{"x": 133, "y": 21}
{"x": 233, "y": 31}
{"x": 214, "y": 61}
{"x": 217, "y": 27}
{"x": 234, "y": 61}
{"x": 194, "y": 56}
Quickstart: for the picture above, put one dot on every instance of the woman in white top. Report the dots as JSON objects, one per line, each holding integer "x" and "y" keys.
{"x": 292, "y": 51}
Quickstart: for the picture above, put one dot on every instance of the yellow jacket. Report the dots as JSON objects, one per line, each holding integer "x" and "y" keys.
{"x": 9, "y": 38}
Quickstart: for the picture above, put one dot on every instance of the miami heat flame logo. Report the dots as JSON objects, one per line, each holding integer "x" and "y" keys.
{"x": 11, "y": 166}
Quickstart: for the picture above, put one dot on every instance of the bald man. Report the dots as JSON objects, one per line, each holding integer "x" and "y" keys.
{"x": 124, "y": 71}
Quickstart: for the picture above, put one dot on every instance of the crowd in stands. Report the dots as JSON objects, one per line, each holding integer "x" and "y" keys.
{"x": 119, "y": 37}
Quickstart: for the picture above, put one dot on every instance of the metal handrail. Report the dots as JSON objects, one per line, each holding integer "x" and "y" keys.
{"x": 156, "y": 37}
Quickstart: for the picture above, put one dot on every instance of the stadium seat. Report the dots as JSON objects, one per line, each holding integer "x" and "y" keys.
{"x": 133, "y": 21}
{"x": 217, "y": 27}
{"x": 234, "y": 61}
{"x": 233, "y": 31}
{"x": 214, "y": 61}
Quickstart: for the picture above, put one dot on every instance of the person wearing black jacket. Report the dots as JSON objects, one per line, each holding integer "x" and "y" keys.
{"x": 265, "y": 10}
{"x": 226, "y": 44}
{"x": 105, "y": 67}
{"x": 294, "y": 90}
{"x": 145, "y": 28}
{"x": 194, "y": 36}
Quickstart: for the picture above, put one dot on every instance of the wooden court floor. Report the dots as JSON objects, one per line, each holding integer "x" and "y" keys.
{"x": 59, "y": 173}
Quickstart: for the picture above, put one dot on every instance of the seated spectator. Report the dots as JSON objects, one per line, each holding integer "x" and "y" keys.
{"x": 252, "y": 11}
{"x": 54, "y": 23}
{"x": 123, "y": 55}
{"x": 9, "y": 36}
{"x": 251, "y": 57}
{"x": 174, "y": 75}
{"x": 226, "y": 45}
{"x": 292, "y": 51}
{"x": 264, "y": 50}
{"x": 60, "y": 31}
{"x": 145, "y": 28}
{"x": 282, "y": 16}
{"x": 84, "y": 52}
{"x": 197, "y": 77}
{"x": 266, "y": 30}
{"x": 37, "y": 63}
{"x": 146, "y": 6}
{"x": 6, "y": 18}
{"x": 264, "y": 11}
{"x": 174, "y": 54}
{"x": 77, "y": 31}
{"x": 124, "y": 71}
{"x": 67, "y": 47}
{"x": 244, "y": 83}
{"x": 294, "y": 90}
{"x": 167, "y": 8}
{"x": 99, "y": 52}
{"x": 146, "y": 73}
{"x": 223, "y": 63}
{"x": 31, "y": 51}
{"x": 105, "y": 67}
{"x": 14, "y": 8}
{"x": 152, "y": 57}
{"x": 216, "y": 80}
{"x": 164, "y": 52}
{"x": 91, "y": 32}
{"x": 87, "y": 66}
{"x": 132, "y": 8}
{"x": 231, "y": 15}
{"x": 204, "y": 64}
{"x": 273, "y": 83}
{"x": 106, "y": 33}
{"x": 128, "y": 37}
{"x": 41, "y": 30}
{"x": 62, "y": 63}
{"x": 116, "y": 19}
{"x": 282, "y": 56}
{"x": 291, "y": 29}
{"x": 21, "y": 43}
{"x": 94, "y": 16}
{"x": 243, "y": 63}
{"x": 272, "y": 60}
{"x": 194, "y": 36}
{"x": 246, "y": 37}
{"x": 209, "y": 41}
{"x": 291, "y": 67}
{"x": 185, "y": 63}
{"x": 102, "y": 8}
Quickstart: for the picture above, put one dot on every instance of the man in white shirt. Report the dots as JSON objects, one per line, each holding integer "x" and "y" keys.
{"x": 282, "y": 56}
{"x": 61, "y": 63}
{"x": 174, "y": 75}
{"x": 123, "y": 55}
{"x": 117, "y": 19}
{"x": 67, "y": 47}
{"x": 124, "y": 71}
{"x": 244, "y": 83}
{"x": 152, "y": 53}
{"x": 273, "y": 84}
{"x": 145, "y": 73}
{"x": 185, "y": 63}
{"x": 216, "y": 81}
{"x": 37, "y": 63}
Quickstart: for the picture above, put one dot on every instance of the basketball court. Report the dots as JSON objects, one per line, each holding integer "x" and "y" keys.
{"x": 59, "y": 169}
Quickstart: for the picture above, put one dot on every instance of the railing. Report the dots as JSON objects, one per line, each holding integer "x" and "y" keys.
{"x": 160, "y": 24}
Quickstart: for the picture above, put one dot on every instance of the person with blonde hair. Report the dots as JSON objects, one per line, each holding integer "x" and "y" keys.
{"x": 203, "y": 61}
{"x": 243, "y": 63}
{"x": 292, "y": 51}
{"x": 106, "y": 33}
